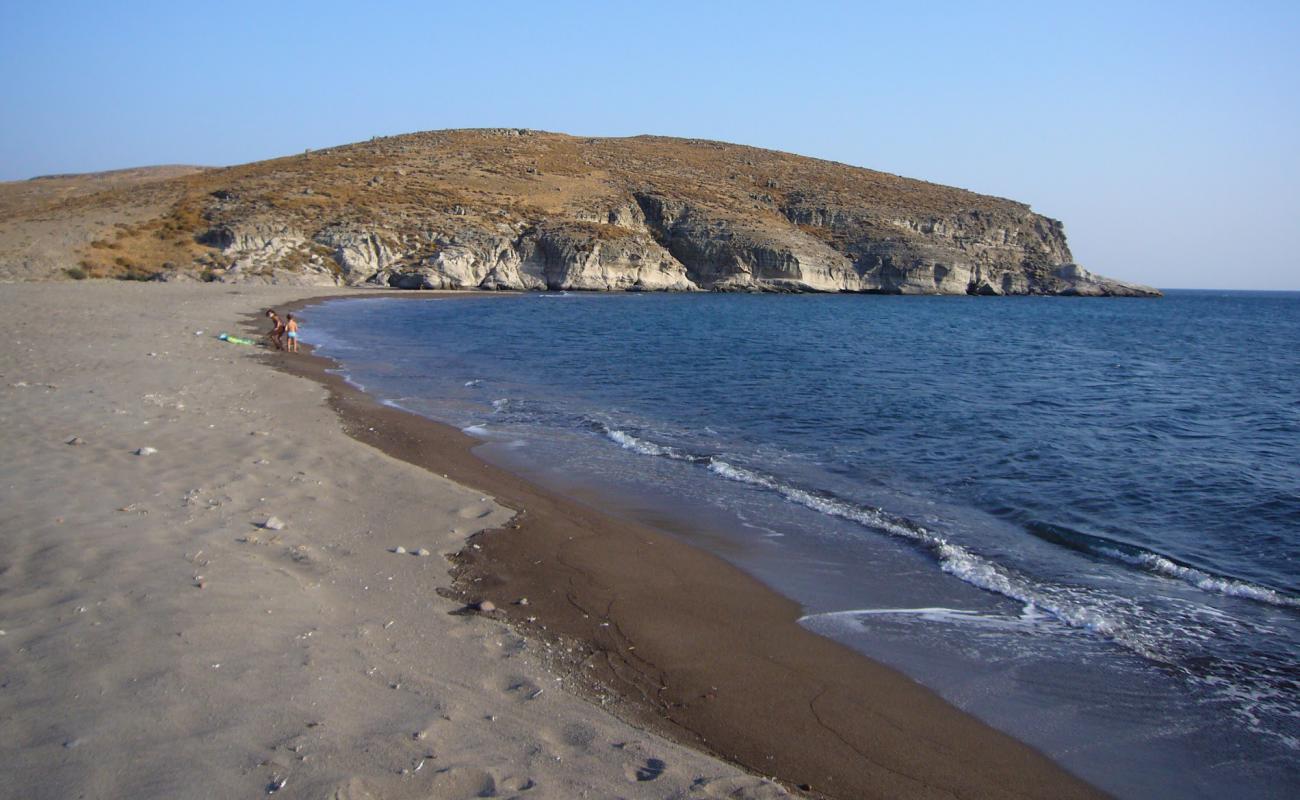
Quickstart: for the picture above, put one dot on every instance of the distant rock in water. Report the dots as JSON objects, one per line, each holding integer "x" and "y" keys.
{"x": 528, "y": 210}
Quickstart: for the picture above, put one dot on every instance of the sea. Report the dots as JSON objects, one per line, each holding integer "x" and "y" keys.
{"x": 1076, "y": 518}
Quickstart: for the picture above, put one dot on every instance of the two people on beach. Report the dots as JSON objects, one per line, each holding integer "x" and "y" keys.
{"x": 284, "y": 332}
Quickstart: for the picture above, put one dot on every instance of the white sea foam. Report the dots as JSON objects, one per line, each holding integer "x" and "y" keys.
{"x": 645, "y": 447}
{"x": 475, "y": 382}
{"x": 954, "y": 616}
{"x": 397, "y": 404}
{"x": 629, "y": 442}
{"x": 1069, "y": 605}
{"x": 1202, "y": 580}
{"x": 476, "y": 430}
{"x": 1112, "y": 616}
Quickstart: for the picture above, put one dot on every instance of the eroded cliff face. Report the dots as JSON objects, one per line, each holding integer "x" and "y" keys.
{"x": 524, "y": 210}
{"x": 671, "y": 246}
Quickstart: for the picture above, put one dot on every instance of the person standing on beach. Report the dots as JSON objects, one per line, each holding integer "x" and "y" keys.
{"x": 277, "y": 329}
{"x": 292, "y": 328}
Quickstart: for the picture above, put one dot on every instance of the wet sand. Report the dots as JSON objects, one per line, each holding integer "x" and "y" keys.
{"x": 679, "y": 641}
{"x": 158, "y": 640}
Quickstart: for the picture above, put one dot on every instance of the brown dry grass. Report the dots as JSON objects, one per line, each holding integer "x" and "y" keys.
{"x": 442, "y": 180}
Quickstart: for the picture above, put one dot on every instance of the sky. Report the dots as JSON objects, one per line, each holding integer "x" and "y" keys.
{"x": 1166, "y": 136}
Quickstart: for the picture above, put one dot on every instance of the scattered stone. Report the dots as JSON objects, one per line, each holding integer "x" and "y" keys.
{"x": 76, "y": 440}
{"x": 423, "y": 551}
{"x": 273, "y": 524}
{"x": 72, "y": 743}
{"x": 486, "y": 606}
{"x": 146, "y": 451}
{"x": 261, "y": 462}
{"x": 276, "y": 785}
{"x": 399, "y": 550}
{"x": 523, "y": 601}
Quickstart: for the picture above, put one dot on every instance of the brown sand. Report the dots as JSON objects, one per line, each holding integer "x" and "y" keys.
{"x": 156, "y": 643}
{"x": 682, "y": 642}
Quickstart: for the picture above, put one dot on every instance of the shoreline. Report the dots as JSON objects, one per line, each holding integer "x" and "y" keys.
{"x": 682, "y": 642}
{"x": 160, "y": 639}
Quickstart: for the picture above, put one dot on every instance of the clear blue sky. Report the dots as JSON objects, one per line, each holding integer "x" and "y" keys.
{"x": 1165, "y": 135}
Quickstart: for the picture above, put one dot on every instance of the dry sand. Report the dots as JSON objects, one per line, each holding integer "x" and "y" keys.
{"x": 158, "y": 643}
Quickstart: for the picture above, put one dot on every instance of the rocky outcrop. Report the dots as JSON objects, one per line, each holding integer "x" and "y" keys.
{"x": 526, "y": 210}
{"x": 654, "y": 243}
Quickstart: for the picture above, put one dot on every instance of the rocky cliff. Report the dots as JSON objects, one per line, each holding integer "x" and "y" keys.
{"x": 516, "y": 209}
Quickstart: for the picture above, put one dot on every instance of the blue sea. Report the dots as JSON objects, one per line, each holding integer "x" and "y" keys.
{"x": 1079, "y": 519}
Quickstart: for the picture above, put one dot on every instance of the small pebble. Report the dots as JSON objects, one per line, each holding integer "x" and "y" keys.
{"x": 146, "y": 451}
{"x": 276, "y": 785}
{"x": 76, "y": 440}
{"x": 523, "y": 601}
{"x": 423, "y": 551}
{"x": 486, "y": 606}
{"x": 399, "y": 550}
{"x": 273, "y": 524}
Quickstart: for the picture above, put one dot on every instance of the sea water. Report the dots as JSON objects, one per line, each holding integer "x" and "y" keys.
{"x": 1079, "y": 519}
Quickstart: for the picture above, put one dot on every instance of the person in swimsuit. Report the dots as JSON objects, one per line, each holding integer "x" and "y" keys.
{"x": 277, "y": 329}
{"x": 291, "y": 327}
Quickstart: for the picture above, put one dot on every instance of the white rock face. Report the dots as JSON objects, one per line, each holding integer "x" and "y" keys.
{"x": 359, "y": 253}
{"x": 652, "y": 243}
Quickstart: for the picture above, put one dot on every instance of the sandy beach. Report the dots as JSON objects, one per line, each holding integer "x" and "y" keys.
{"x": 160, "y": 639}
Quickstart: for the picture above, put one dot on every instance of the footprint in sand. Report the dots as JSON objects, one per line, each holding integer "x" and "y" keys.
{"x": 522, "y": 689}
{"x": 578, "y": 734}
{"x": 352, "y": 789}
{"x": 463, "y": 783}
{"x": 650, "y": 770}
{"x": 474, "y": 512}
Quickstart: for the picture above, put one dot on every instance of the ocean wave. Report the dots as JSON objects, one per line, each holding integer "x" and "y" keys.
{"x": 1028, "y": 621}
{"x": 1205, "y": 581}
{"x": 1067, "y": 604}
{"x": 1122, "y": 621}
{"x": 630, "y": 441}
{"x": 1158, "y": 564}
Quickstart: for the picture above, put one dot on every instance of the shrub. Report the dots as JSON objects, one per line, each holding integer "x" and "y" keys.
{"x": 76, "y": 273}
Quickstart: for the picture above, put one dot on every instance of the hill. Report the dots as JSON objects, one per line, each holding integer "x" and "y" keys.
{"x": 520, "y": 209}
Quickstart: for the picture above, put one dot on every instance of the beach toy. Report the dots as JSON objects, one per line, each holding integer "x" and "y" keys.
{"x": 225, "y": 337}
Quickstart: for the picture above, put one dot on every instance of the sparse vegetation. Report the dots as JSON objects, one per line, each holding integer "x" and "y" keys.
{"x": 424, "y": 185}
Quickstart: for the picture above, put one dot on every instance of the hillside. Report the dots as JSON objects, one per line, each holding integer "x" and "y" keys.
{"x": 517, "y": 209}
